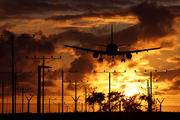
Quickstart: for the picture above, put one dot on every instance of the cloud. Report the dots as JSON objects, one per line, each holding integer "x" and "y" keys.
{"x": 166, "y": 76}
{"x": 91, "y": 14}
{"x": 84, "y": 66}
{"x": 132, "y": 64}
{"x": 172, "y": 87}
{"x": 174, "y": 59}
{"x": 167, "y": 44}
{"x": 174, "y": 9}
{"x": 29, "y": 47}
{"x": 24, "y": 10}
{"x": 154, "y": 21}
{"x": 20, "y": 9}
{"x": 7, "y": 26}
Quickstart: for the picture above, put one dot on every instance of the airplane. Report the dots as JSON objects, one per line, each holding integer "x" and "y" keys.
{"x": 111, "y": 50}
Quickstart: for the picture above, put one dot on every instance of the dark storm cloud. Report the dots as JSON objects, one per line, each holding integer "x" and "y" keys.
{"x": 85, "y": 39}
{"x": 96, "y": 5}
{"x": 107, "y": 2}
{"x": 21, "y": 9}
{"x": 44, "y": 46}
{"x": 175, "y": 9}
{"x": 28, "y": 47}
{"x": 155, "y": 21}
{"x": 126, "y": 36}
{"x": 84, "y": 65}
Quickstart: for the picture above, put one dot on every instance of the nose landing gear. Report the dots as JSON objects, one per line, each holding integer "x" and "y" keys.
{"x": 123, "y": 60}
{"x": 112, "y": 58}
{"x": 100, "y": 59}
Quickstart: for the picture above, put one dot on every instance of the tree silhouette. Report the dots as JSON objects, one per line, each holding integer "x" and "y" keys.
{"x": 96, "y": 98}
{"x": 115, "y": 100}
{"x": 132, "y": 103}
{"x": 129, "y": 103}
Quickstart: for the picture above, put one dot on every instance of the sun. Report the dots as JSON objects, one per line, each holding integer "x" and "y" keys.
{"x": 131, "y": 91}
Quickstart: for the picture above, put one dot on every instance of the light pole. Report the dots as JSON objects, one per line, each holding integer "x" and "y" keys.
{"x": 160, "y": 103}
{"x": 23, "y": 97}
{"x": 3, "y": 84}
{"x": 29, "y": 101}
{"x": 110, "y": 84}
{"x": 149, "y": 89}
{"x": 15, "y": 76}
{"x": 12, "y": 56}
{"x": 42, "y": 66}
{"x": 2, "y": 96}
{"x": 86, "y": 96}
{"x": 50, "y": 103}
{"x": 62, "y": 73}
{"x": 76, "y": 98}
{"x": 39, "y": 89}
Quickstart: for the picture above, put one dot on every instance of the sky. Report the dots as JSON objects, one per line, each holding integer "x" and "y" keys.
{"x": 141, "y": 24}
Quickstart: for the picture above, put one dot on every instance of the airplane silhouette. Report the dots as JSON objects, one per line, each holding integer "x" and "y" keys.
{"x": 111, "y": 50}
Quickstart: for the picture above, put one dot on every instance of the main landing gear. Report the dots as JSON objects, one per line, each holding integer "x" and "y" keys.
{"x": 100, "y": 59}
{"x": 123, "y": 60}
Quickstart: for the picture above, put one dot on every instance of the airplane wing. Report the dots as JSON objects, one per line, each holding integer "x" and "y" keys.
{"x": 136, "y": 51}
{"x": 88, "y": 50}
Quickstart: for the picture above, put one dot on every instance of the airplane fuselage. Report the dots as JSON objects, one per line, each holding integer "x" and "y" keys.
{"x": 111, "y": 49}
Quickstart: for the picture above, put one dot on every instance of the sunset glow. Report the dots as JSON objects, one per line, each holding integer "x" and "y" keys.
{"x": 138, "y": 24}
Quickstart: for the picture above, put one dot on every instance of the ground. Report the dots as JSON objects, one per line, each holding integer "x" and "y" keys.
{"x": 97, "y": 116}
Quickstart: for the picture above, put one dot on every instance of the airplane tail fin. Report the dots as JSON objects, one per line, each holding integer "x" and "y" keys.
{"x": 111, "y": 33}
{"x": 111, "y": 37}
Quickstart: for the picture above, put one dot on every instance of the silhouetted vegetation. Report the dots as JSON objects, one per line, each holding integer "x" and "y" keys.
{"x": 96, "y": 98}
{"x": 136, "y": 103}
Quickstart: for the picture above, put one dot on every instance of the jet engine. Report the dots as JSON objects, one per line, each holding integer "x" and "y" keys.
{"x": 95, "y": 55}
{"x": 129, "y": 56}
